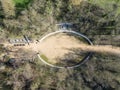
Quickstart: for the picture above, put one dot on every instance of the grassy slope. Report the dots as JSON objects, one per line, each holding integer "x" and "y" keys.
{"x": 108, "y": 4}
{"x": 100, "y": 72}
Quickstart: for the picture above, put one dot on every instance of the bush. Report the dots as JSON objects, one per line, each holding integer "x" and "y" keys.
{"x": 21, "y": 4}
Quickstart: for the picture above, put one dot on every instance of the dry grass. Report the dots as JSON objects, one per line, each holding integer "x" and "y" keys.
{"x": 8, "y": 7}
{"x": 76, "y": 2}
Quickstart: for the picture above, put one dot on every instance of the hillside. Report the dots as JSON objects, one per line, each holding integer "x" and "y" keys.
{"x": 21, "y": 69}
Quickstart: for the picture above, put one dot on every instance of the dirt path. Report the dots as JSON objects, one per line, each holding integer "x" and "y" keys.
{"x": 54, "y": 46}
{"x": 60, "y": 46}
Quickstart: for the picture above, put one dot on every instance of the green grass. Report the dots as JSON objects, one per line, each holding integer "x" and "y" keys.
{"x": 21, "y": 1}
{"x": 21, "y": 4}
{"x": 44, "y": 57}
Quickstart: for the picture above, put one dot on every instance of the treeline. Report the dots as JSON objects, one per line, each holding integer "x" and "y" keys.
{"x": 88, "y": 18}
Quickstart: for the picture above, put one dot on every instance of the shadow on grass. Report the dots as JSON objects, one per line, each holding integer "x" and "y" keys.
{"x": 73, "y": 58}
{"x": 2, "y": 16}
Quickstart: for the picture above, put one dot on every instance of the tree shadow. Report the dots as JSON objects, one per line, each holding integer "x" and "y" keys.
{"x": 87, "y": 18}
{"x": 73, "y": 58}
{"x": 2, "y": 16}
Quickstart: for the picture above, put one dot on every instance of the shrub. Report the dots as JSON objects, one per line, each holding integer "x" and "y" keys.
{"x": 21, "y": 4}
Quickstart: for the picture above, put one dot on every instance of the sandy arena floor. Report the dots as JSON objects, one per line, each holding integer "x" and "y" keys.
{"x": 60, "y": 47}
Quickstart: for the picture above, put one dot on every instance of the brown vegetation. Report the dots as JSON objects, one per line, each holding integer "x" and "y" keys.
{"x": 8, "y": 7}
{"x": 101, "y": 72}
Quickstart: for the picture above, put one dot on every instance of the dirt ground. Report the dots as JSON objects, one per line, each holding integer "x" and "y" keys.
{"x": 63, "y": 48}
{"x": 59, "y": 47}
{"x": 55, "y": 48}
